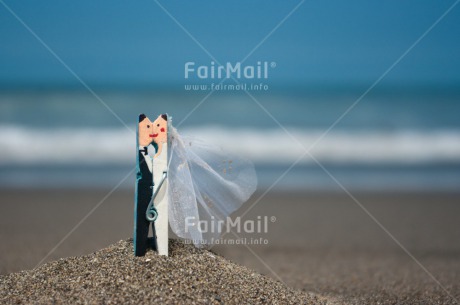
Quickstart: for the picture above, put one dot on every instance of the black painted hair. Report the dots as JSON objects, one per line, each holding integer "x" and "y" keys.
{"x": 141, "y": 117}
{"x": 165, "y": 117}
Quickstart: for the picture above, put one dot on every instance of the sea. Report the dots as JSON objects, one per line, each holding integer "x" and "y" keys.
{"x": 313, "y": 138}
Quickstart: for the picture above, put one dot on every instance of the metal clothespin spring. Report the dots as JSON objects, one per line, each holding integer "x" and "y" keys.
{"x": 151, "y": 214}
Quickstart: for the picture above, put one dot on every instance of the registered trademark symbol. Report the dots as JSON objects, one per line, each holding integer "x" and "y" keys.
{"x": 273, "y": 219}
{"x": 273, "y": 64}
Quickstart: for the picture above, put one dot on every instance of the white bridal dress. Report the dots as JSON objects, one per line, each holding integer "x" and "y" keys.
{"x": 205, "y": 185}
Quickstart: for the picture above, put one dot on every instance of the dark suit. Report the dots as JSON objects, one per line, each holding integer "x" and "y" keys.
{"x": 144, "y": 191}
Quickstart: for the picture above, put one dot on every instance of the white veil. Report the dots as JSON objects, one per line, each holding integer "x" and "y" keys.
{"x": 205, "y": 185}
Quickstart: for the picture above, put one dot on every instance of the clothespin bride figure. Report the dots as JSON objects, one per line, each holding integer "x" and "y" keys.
{"x": 193, "y": 185}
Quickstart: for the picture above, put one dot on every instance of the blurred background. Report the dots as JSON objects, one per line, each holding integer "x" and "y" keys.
{"x": 405, "y": 133}
{"x": 56, "y": 136}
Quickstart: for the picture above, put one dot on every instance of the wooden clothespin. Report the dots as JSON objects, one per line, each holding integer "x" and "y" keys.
{"x": 151, "y": 197}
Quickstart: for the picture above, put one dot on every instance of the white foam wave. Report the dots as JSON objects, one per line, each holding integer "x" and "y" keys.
{"x": 21, "y": 145}
{"x": 65, "y": 145}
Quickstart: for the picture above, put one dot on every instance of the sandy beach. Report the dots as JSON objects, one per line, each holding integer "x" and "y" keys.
{"x": 319, "y": 244}
{"x": 114, "y": 276}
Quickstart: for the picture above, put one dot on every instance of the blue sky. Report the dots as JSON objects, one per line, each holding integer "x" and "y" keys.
{"x": 123, "y": 42}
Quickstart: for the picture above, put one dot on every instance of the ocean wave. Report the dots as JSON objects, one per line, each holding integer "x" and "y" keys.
{"x": 24, "y": 145}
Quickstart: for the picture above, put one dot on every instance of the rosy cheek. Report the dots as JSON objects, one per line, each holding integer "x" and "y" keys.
{"x": 162, "y": 130}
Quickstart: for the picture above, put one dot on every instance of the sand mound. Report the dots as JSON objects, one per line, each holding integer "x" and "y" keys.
{"x": 114, "y": 276}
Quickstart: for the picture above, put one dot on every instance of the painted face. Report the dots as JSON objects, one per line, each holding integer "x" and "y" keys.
{"x": 145, "y": 131}
{"x": 160, "y": 130}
